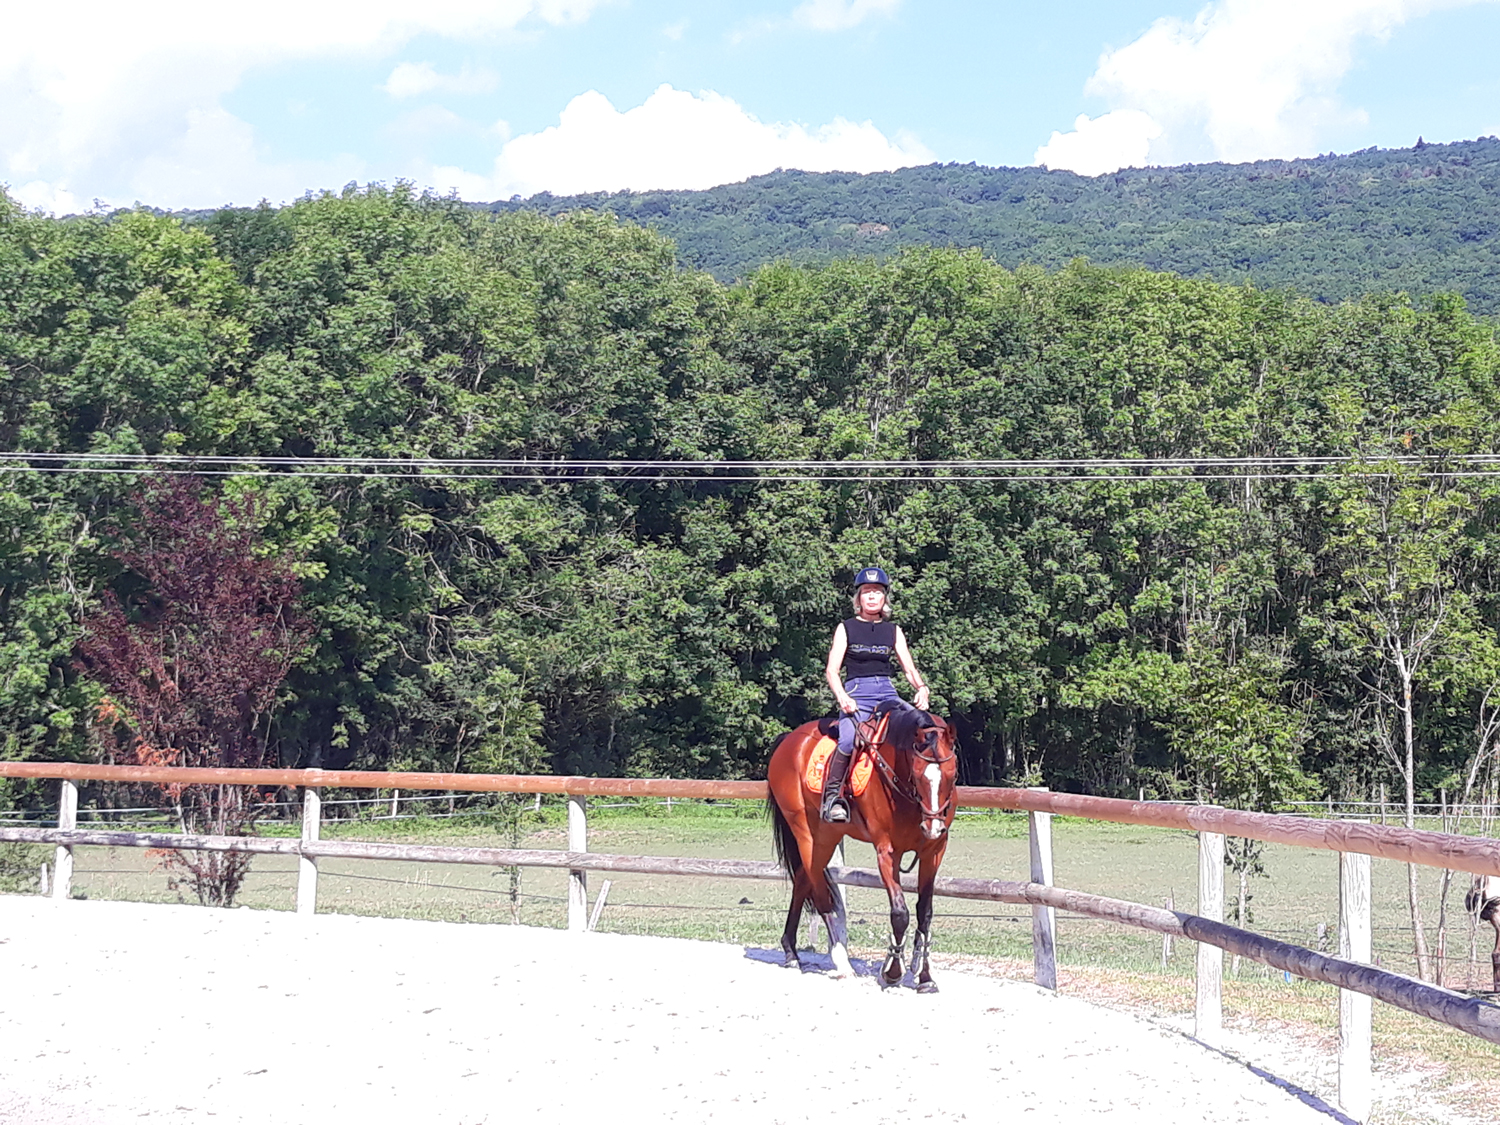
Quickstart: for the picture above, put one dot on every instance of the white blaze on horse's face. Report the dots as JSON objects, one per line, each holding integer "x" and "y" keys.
{"x": 933, "y": 828}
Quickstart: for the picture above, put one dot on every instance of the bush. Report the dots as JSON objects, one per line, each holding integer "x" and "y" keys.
{"x": 20, "y": 865}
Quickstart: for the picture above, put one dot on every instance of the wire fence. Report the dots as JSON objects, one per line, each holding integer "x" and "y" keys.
{"x": 1393, "y": 942}
{"x": 1467, "y": 819}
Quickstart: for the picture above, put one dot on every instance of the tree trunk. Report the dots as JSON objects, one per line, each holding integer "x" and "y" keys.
{"x": 1234, "y": 968}
{"x": 1413, "y": 895}
{"x": 1445, "y": 883}
{"x": 511, "y": 805}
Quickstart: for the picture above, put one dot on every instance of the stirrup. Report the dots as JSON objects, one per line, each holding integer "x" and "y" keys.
{"x": 835, "y": 811}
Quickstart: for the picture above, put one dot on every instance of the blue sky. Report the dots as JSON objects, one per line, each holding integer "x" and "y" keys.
{"x": 171, "y": 105}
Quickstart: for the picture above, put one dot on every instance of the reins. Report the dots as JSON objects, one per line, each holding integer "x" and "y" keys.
{"x": 868, "y": 745}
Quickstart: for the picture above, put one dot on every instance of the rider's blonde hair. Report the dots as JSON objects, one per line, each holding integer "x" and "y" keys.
{"x": 885, "y": 608}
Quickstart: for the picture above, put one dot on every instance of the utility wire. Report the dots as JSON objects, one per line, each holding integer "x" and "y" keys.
{"x": 1116, "y": 469}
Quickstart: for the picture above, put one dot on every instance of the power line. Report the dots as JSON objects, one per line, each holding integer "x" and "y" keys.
{"x": 564, "y": 470}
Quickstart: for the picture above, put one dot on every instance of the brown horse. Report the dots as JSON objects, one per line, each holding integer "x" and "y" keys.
{"x": 1483, "y": 901}
{"x": 906, "y": 805}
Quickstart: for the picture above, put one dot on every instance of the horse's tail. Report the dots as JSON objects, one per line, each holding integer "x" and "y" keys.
{"x": 788, "y": 854}
{"x": 1483, "y": 899}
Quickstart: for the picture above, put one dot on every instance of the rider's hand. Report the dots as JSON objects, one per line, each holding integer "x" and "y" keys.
{"x": 921, "y": 698}
{"x": 847, "y": 705}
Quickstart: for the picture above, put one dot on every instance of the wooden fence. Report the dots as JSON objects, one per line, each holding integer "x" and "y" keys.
{"x": 1351, "y": 971}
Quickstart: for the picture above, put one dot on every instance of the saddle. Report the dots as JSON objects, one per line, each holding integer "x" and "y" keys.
{"x": 871, "y": 732}
{"x": 895, "y": 723}
{"x": 867, "y": 734}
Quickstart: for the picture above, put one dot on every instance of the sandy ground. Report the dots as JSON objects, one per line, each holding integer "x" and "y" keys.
{"x": 117, "y": 1012}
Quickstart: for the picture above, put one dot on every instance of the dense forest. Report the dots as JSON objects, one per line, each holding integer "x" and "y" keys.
{"x": 1246, "y": 639}
{"x": 1419, "y": 220}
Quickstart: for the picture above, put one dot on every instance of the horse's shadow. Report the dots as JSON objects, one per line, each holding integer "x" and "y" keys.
{"x": 812, "y": 962}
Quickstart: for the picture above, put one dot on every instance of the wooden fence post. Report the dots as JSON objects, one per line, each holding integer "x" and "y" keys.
{"x": 1043, "y": 918}
{"x": 307, "y": 866}
{"x": 599, "y": 905}
{"x": 578, "y": 881}
{"x": 1166, "y": 939}
{"x": 1209, "y": 1014}
{"x": 1355, "y": 944}
{"x": 67, "y": 817}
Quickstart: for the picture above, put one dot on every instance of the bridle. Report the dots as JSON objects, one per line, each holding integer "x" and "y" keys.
{"x": 870, "y": 735}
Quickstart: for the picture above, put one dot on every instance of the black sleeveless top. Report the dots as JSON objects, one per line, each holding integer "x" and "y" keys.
{"x": 872, "y": 644}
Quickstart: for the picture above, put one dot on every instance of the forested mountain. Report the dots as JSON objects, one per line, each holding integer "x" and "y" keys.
{"x": 1224, "y": 637}
{"x": 1420, "y": 220}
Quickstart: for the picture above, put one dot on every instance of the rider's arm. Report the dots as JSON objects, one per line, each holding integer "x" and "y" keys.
{"x": 831, "y": 672}
{"x": 909, "y": 666}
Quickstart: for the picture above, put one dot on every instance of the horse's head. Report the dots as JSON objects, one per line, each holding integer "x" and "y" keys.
{"x": 933, "y": 762}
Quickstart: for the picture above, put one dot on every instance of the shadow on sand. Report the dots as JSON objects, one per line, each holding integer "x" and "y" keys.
{"x": 812, "y": 962}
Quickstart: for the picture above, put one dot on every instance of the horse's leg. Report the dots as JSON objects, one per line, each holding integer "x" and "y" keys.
{"x": 922, "y": 944}
{"x": 890, "y": 875}
{"x": 1494, "y": 913}
{"x": 793, "y": 921}
{"x": 802, "y": 828}
{"x": 825, "y": 899}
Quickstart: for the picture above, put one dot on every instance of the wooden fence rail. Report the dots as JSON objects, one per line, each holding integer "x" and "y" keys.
{"x": 1432, "y": 849}
{"x": 1355, "y": 841}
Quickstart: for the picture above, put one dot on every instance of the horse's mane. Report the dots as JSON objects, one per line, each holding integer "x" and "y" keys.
{"x": 905, "y": 724}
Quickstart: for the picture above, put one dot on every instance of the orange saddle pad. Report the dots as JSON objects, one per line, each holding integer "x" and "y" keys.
{"x": 817, "y": 763}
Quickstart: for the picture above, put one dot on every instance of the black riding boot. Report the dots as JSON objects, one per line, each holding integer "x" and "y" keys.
{"x": 835, "y": 808}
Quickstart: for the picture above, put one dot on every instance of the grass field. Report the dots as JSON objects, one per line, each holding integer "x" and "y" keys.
{"x": 1298, "y": 892}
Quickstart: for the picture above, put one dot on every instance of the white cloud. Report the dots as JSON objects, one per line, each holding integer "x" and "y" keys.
{"x": 839, "y": 15}
{"x": 43, "y": 196}
{"x": 216, "y": 159}
{"x": 1243, "y": 80}
{"x": 100, "y": 103}
{"x": 409, "y": 80}
{"x": 674, "y": 140}
{"x": 1104, "y": 144}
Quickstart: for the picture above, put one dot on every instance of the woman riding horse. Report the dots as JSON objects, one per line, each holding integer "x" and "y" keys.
{"x": 904, "y": 789}
{"x": 864, "y": 645}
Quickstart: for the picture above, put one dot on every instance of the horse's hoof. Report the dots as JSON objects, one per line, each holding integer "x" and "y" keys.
{"x": 926, "y": 987}
{"x": 791, "y": 961}
{"x": 891, "y": 972}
